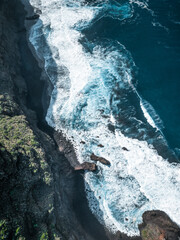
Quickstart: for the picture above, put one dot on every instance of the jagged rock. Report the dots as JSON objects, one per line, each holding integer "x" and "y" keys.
{"x": 100, "y": 159}
{"x": 86, "y": 166}
{"x": 158, "y": 226}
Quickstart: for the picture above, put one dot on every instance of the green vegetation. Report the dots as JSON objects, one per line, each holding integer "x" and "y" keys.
{"x": 15, "y": 132}
{"x": 17, "y": 138}
{"x": 150, "y": 232}
{"x": 144, "y": 234}
{"x": 17, "y": 231}
{"x": 3, "y": 230}
{"x": 44, "y": 236}
{"x": 21, "y": 152}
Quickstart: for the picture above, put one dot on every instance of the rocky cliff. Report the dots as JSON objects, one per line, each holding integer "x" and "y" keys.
{"x": 37, "y": 184}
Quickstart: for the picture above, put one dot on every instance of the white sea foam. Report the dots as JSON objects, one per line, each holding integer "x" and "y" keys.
{"x": 150, "y": 114}
{"x": 143, "y": 4}
{"x": 147, "y": 116}
{"x": 81, "y": 107}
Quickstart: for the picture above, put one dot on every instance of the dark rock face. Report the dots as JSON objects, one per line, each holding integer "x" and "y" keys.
{"x": 100, "y": 159}
{"x": 66, "y": 147}
{"x": 158, "y": 226}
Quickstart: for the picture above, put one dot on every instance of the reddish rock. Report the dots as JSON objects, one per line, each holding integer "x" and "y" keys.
{"x": 100, "y": 159}
{"x": 86, "y": 166}
{"x": 158, "y": 226}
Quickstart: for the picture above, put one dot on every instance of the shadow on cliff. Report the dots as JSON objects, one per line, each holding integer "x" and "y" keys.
{"x": 80, "y": 205}
{"x": 36, "y": 97}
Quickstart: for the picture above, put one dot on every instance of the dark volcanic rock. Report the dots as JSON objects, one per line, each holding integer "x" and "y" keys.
{"x": 158, "y": 226}
{"x": 86, "y": 166}
{"x": 100, "y": 145}
{"x": 66, "y": 147}
{"x": 100, "y": 159}
{"x": 125, "y": 149}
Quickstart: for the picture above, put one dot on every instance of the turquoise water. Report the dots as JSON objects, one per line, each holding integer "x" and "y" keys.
{"x": 152, "y": 36}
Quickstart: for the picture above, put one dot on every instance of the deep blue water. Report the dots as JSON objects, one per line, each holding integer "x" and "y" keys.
{"x": 153, "y": 39}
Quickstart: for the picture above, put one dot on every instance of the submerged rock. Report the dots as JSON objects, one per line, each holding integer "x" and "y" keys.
{"x": 100, "y": 159}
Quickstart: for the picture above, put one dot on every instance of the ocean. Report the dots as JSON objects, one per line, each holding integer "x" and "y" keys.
{"x": 115, "y": 70}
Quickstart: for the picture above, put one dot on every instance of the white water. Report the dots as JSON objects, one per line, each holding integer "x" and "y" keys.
{"x": 151, "y": 115}
{"x": 84, "y": 84}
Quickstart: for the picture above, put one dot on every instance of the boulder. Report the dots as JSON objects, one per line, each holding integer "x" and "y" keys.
{"x": 100, "y": 145}
{"x": 158, "y": 226}
{"x": 125, "y": 149}
{"x": 86, "y": 166}
{"x": 100, "y": 159}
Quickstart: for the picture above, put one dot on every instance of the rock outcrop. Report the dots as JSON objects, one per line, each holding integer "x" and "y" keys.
{"x": 125, "y": 149}
{"x": 99, "y": 159}
{"x": 158, "y": 226}
{"x": 86, "y": 166}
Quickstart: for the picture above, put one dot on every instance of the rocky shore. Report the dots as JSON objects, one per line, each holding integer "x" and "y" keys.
{"x": 42, "y": 197}
{"x": 40, "y": 191}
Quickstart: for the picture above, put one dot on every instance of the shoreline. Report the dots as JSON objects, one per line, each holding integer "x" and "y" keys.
{"x": 79, "y": 202}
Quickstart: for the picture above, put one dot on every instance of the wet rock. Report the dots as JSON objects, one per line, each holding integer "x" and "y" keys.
{"x": 100, "y": 145}
{"x": 105, "y": 116}
{"x": 125, "y": 149}
{"x": 100, "y": 159}
{"x": 111, "y": 128}
{"x": 158, "y": 226}
{"x": 82, "y": 142}
{"x": 86, "y": 166}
